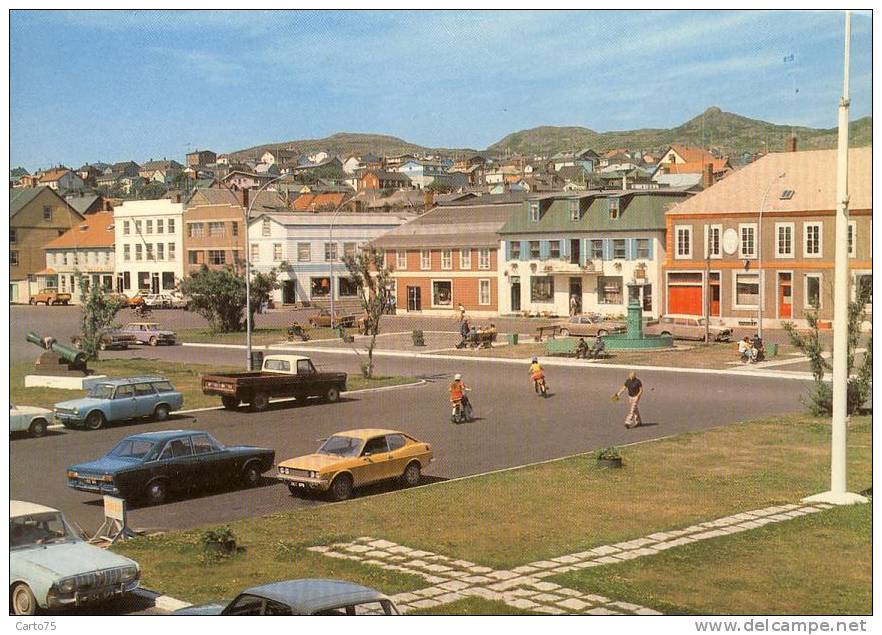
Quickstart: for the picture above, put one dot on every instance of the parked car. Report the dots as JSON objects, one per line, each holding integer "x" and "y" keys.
{"x": 149, "y": 333}
{"x": 115, "y": 400}
{"x": 687, "y": 327}
{"x": 156, "y": 300}
{"x": 150, "y": 465}
{"x": 114, "y": 339}
{"x": 280, "y": 376}
{"x": 50, "y": 296}
{"x": 176, "y": 301}
{"x": 354, "y": 458}
{"x": 301, "y": 597}
{"x": 51, "y": 567}
{"x": 33, "y": 420}
{"x": 134, "y": 301}
{"x": 589, "y": 325}
{"x": 323, "y": 318}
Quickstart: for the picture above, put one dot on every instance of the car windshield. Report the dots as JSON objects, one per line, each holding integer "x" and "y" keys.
{"x": 133, "y": 449}
{"x": 38, "y": 529}
{"x": 101, "y": 391}
{"x": 341, "y": 446}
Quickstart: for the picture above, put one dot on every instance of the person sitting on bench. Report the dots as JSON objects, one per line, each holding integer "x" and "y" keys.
{"x": 599, "y": 348}
{"x": 581, "y": 349}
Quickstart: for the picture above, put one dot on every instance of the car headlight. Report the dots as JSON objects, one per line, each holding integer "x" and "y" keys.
{"x": 129, "y": 573}
{"x": 313, "y": 475}
{"x": 107, "y": 478}
{"x": 72, "y": 474}
{"x": 283, "y": 470}
{"x": 66, "y": 585}
{"x": 76, "y": 411}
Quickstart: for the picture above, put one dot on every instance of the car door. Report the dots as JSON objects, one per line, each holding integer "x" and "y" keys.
{"x": 145, "y": 399}
{"x": 178, "y": 463}
{"x": 211, "y": 463}
{"x": 373, "y": 463}
{"x": 306, "y": 382}
{"x": 16, "y": 419}
{"x": 398, "y": 455}
{"x": 122, "y": 406}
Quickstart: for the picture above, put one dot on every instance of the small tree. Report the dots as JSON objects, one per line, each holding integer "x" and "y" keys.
{"x": 99, "y": 312}
{"x": 262, "y": 287}
{"x": 820, "y": 401}
{"x": 218, "y": 295}
{"x": 369, "y": 274}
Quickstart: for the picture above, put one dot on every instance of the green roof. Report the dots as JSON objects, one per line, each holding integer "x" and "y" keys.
{"x": 638, "y": 210}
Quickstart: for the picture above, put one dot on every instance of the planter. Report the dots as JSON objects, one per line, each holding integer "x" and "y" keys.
{"x": 610, "y": 463}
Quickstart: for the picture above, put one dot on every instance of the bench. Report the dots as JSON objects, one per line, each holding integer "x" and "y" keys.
{"x": 566, "y": 347}
{"x": 542, "y": 331}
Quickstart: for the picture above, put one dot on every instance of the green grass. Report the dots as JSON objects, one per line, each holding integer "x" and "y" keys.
{"x": 813, "y": 565}
{"x": 187, "y": 378}
{"x": 516, "y": 351}
{"x": 517, "y": 516}
{"x": 719, "y": 355}
{"x": 259, "y": 336}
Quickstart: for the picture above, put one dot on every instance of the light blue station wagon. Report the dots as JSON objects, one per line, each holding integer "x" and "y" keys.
{"x": 51, "y": 567}
{"x": 121, "y": 399}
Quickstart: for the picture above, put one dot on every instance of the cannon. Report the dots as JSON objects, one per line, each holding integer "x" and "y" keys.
{"x": 58, "y": 358}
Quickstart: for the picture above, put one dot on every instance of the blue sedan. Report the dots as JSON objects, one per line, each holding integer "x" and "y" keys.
{"x": 153, "y": 464}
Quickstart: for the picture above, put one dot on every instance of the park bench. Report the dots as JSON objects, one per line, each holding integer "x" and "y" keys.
{"x": 547, "y": 331}
{"x": 566, "y": 347}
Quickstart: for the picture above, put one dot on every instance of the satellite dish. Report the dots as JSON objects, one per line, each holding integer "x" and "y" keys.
{"x": 730, "y": 241}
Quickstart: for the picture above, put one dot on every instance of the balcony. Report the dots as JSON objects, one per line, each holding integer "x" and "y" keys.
{"x": 565, "y": 266}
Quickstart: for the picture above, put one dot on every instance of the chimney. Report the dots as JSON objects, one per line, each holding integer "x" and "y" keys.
{"x": 791, "y": 144}
{"x": 245, "y": 197}
{"x": 708, "y": 175}
{"x": 178, "y": 197}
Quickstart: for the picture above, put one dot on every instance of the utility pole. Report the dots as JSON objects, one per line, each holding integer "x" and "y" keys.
{"x": 838, "y": 494}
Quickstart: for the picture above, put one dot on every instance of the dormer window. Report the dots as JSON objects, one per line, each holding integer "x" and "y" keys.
{"x": 534, "y": 212}
{"x": 574, "y": 210}
{"x": 613, "y": 208}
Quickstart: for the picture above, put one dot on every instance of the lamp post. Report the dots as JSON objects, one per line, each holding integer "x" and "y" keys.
{"x": 248, "y": 268}
{"x": 760, "y": 273}
{"x": 333, "y": 257}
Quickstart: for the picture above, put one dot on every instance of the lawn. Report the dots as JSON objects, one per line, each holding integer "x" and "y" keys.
{"x": 718, "y": 355}
{"x": 185, "y": 377}
{"x": 513, "y": 517}
{"x": 508, "y": 351}
{"x": 259, "y": 336}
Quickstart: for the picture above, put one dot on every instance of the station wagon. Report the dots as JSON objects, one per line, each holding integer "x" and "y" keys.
{"x": 120, "y": 399}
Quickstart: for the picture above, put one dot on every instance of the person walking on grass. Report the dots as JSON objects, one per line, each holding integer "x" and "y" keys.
{"x": 635, "y": 390}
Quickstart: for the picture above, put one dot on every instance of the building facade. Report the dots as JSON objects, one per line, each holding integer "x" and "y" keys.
{"x": 304, "y": 249}
{"x": 767, "y": 234}
{"x": 36, "y": 216}
{"x": 149, "y": 246}
{"x": 596, "y": 248}
{"x": 449, "y": 256}
{"x": 86, "y": 250}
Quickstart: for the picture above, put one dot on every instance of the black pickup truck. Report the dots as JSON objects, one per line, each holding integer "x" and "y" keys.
{"x": 280, "y": 376}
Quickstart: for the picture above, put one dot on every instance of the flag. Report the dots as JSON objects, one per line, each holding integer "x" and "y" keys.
{"x": 788, "y": 58}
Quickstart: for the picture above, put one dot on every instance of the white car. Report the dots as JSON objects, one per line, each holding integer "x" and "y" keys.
{"x": 31, "y": 419}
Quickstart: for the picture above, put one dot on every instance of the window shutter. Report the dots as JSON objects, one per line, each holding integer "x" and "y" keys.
{"x": 508, "y": 250}
{"x": 651, "y": 243}
{"x": 607, "y": 249}
{"x": 564, "y": 248}
{"x": 544, "y": 249}
{"x": 631, "y": 248}
{"x": 525, "y": 250}
{"x": 585, "y": 254}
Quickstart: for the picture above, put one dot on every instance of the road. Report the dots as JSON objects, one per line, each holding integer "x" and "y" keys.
{"x": 514, "y": 427}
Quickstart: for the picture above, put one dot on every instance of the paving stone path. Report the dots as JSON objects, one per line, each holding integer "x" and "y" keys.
{"x": 524, "y": 587}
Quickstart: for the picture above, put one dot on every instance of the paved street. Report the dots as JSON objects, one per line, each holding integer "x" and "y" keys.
{"x": 514, "y": 427}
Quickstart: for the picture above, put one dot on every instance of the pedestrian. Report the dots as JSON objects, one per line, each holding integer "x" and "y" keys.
{"x": 745, "y": 348}
{"x": 574, "y": 304}
{"x": 464, "y": 332}
{"x": 635, "y": 390}
{"x": 462, "y": 315}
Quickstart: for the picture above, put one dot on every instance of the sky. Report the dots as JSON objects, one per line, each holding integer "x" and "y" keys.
{"x": 90, "y": 86}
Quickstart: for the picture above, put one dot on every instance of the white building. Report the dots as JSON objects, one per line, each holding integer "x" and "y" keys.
{"x": 149, "y": 240}
{"x": 303, "y": 241}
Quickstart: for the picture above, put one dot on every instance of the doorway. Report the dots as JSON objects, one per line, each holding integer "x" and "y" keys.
{"x": 515, "y": 293}
{"x": 714, "y": 286}
{"x": 414, "y": 299}
{"x": 576, "y": 252}
{"x": 289, "y": 291}
{"x": 154, "y": 283}
{"x": 575, "y": 295}
{"x": 785, "y": 295}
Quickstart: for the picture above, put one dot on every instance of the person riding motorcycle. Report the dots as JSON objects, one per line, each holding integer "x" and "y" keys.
{"x": 537, "y": 374}
{"x": 459, "y": 400}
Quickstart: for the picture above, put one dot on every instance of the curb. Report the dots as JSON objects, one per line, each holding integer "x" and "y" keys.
{"x": 160, "y": 601}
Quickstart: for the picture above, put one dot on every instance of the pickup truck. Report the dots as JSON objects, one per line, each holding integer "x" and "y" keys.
{"x": 280, "y": 376}
{"x": 50, "y": 296}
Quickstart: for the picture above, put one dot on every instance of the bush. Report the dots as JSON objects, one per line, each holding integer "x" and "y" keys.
{"x": 607, "y": 454}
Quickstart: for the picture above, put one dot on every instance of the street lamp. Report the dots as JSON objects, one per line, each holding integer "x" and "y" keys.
{"x": 759, "y": 272}
{"x": 248, "y": 267}
{"x": 333, "y": 257}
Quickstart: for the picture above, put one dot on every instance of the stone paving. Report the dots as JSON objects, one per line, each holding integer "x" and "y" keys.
{"x": 525, "y": 587}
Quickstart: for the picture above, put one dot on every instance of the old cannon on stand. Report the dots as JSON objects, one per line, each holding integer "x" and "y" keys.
{"x": 58, "y": 360}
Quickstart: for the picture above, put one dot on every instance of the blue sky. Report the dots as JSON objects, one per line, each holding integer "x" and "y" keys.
{"x": 111, "y": 86}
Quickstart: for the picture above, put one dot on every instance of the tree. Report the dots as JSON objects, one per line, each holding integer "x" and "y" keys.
{"x": 152, "y": 191}
{"x": 99, "y": 312}
{"x": 820, "y": 402}
{"x": 439, "y": 188}
{"x": 218, "y": 295}
{"x": 371, "y": 277}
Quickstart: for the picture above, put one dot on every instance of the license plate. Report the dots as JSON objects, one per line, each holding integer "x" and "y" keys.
{"x": 90, "y": 481}
{"x": 301, "y": 484}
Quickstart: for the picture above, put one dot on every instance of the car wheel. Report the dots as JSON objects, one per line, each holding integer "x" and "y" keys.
{"x": 153, "y": 341}
{"x": 230, "y": 403}
{"x": 564, "y": 333}
{"x": 23, "y": 600}
{"x": 157, "y": 492}
{"x": 251, "y": 474}
{"x": 602, "y": 332}
{"x": 102, "y": 345}
{"x": 341, "y": 488}
{"x": 95, "y": 420}
{"x": 32, "y": 302}
{"x": 260, "y": 401}
{"x": 412, "y": 474}
{"x": 160, "y": 413}
{"x": 38, "y": 427}
{"x": 333, "y": 394}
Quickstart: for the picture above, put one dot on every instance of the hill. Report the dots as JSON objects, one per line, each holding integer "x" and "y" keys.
{"x": 714, "y": 128}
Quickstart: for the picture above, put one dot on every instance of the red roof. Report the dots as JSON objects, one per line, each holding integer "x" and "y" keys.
{"x": 50, "y": 176}
{"x": 692, "y": 155}
{"x": 96, "y": 230}
{"x": 314, "y": 202}
{"x": 696, "y": 167}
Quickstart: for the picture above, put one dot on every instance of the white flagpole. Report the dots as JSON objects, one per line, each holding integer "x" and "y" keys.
{"x": 838, "y": 494}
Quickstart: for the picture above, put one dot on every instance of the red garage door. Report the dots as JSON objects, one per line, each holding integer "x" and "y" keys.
{"x": 685, "y": 299}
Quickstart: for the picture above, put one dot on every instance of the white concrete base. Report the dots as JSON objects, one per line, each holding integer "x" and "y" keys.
{"x": 68, "y": 383}
{"x": 836, "y": 498}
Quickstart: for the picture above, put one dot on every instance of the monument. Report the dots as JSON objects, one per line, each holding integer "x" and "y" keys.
{"x": 59, "y": 366}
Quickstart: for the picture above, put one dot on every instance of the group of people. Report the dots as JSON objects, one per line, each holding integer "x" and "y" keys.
{"x": 751, "y": 350}
{"x": 594, "y": 352}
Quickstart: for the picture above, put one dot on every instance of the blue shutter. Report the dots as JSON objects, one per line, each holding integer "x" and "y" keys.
{"x": 508, "y": 250}
{"x": 586, "y": 251}
{"x": 544, "y": 249}
{"x": 525, "y": 250}
{"x": 649, "y": 253}
{"x": 631, "y": 248}
{"x": 564, "y": 248}
{"x": 607, "y": 249}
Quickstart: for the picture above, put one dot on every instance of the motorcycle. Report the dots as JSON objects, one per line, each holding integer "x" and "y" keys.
{"x": 540, "y": 387}
{"x": 462, "y": 411}
{"x": 143, "y": 311}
